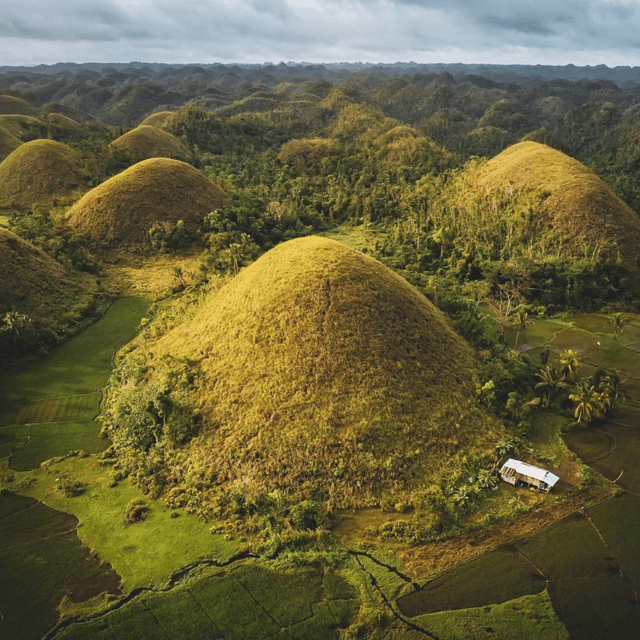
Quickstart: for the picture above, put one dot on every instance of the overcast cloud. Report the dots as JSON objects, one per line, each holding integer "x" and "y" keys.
{"x": 496, "y": 31}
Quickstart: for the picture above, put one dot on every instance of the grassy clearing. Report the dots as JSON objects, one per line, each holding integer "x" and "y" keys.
{"x": 492, "y": 578}
{"x": 250, "y": 601}
{"x": 4, "y": 221}
{"x": 81, "y": 365}
{"x": 46, "y": 440}
{"x": 144, "y": 553}
{"x": 43, "y": 560}
{"x": 531, "y": 617}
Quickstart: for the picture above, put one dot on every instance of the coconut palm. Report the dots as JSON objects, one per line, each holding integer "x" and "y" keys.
{"x": 587, "y": 401}
{"x": 568, "y": 364}
{"x": 521, "y": 321}
{"x": 550, "y": 381}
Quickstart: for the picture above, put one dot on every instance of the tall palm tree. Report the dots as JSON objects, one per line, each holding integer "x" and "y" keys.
{"x": 550, "y": 381}
{"x": 587, "y": 401}
{"x": 568, "y": 364}
{"x": 617, "y": 320}
{"x": 521, "y": 320}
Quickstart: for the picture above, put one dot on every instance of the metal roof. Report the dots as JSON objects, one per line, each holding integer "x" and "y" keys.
{"x": 531, "y": 471}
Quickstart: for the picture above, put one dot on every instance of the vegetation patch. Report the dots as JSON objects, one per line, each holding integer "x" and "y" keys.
{"x": 162, "y": 191}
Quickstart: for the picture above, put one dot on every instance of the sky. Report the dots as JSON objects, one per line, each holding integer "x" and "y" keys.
{"x": 580, "y": 32}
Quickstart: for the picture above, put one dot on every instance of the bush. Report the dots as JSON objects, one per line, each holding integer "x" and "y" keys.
{"x": 136, "y": 511}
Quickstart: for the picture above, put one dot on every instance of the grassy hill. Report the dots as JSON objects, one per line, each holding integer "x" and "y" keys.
{"x": 157, "y": 119}
{"x": 8, "y": 142}
{"x": 38, "y": 171}
{"x": 147, "y": 141}
{"x": 33, "y": 283}
{"x": 12, "y": 105}
{"x": 324, "y": 375}
{"x": 573, "y": 203}
{"x": 123, "y": 209}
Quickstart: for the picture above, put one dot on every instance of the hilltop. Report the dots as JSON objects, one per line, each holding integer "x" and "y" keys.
{"x": 124, "y": 208}
{"x": 146, "y": 141}
{"x": 572, "y": 202}
{"x": 39, "y": 171}
{"x": 323, "y": 374}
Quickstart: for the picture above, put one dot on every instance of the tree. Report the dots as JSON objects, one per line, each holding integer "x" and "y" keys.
{"x": 521, "y": 321}
{"x": 15, "y": 324}
{"x": 568, "y": 364}
{"x": 550, "y": 381}
{"x": 617, "y": 320}
{"x": 587, "y": 401}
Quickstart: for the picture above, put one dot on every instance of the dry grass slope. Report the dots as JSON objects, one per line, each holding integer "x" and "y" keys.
{"x": 32, "y": 282}
{"x": 121, "y": 210}
{"x": 574, "y": 201}
{"x": 158, "y": 119}
{"x": 147, "y": 141}
{"x": 10, "y": 104}
{"x": 326, "y": 375}
{"x": 8, "y": 142}
{"x": 38, "y": 171}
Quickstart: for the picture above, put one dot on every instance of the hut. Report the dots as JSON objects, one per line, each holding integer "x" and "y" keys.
{"x": 516, "y": 472}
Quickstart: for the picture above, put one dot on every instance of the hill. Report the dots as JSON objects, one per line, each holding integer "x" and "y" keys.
{"x": 323, "y": 374}
{"x": 123, "y": 209}
{"x": 157, "y": 119}
{"x": 12, "y": 105}
{"x": 38, "y": 171}
{"x": 572, "y": 202}
{"x": 146, "y": 141}
{"x": 33, "y": 283}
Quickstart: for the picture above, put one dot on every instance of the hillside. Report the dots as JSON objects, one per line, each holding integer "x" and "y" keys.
{"x": 38, "y": 171}
{"x": 13, "y": 105}
{"x": 572, "y": 201}
{"x": 147, "y": 141}
{"x": 323, "y": 374}
{"x": 123, "y": 209}
{"x": 33, "y": 283}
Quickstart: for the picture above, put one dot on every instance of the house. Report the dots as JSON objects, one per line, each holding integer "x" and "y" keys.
{"x": 516, "y": 472}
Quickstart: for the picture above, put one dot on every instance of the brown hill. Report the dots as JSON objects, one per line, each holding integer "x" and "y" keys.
{"x": 123, "y": 209}
{"x": 32, "y": 282}
{"x": 10, "y": 104}
{"x": 573, "y": 202}
{"x": 325, "y": 375}
{"x": 38, "y": 171}
{"x": 158, "y": 119}
{"x": 147, "y": 141}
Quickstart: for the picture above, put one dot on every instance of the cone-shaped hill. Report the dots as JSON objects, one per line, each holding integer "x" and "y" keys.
{"x": 147, "y": 141}
{"x": 33, "y": 282}
{"x": 38, "y": 171}
{"x": 158, "y": 119}
{"x": 123, "y": 209}
{"x": 325, "y": 375}
{"x": 10, "y": 104}
{"x": 573, "y": 202}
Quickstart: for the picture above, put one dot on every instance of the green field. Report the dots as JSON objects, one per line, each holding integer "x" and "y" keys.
{"x": 250, "y": 601}
{"x": 42, "y": 560}
{"x": 49, "y": 406}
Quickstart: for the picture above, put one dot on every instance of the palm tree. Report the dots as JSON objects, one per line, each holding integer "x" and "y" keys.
{"x": 15, "y": 323}
{"x": 521, "y": 320}
{"x": 587, "y": 401}
{"x": 568, "y": 364}
{"x": 550, "y": 381}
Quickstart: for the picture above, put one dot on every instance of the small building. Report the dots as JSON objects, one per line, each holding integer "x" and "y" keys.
{"x": 516, "y": 472}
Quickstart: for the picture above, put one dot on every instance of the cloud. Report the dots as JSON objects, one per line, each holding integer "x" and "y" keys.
{"x": 375, "y": 30}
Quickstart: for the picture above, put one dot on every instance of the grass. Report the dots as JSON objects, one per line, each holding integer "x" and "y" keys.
{"x": 8, "y": 142}
{"x": 148, "y": 141}
{"x": 317, "y": 355}
{"x": 531, "y": 616}
{"x": 42, "y": 560}
{"x": 567, "y": 196}
{"x": 492, "y": 578}
{"x": 144, "y": 553}
{"x": 80, "y": 366}
{"x": 157, "y": 190}
{"x": 39, "y": 171}
{"x": 250, "y": 601}
{"x": 157, "y": 119}
{"x": 12, "y": 105}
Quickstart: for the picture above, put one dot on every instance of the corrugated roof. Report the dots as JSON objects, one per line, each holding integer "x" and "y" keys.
{"x": 531, "y": 471}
